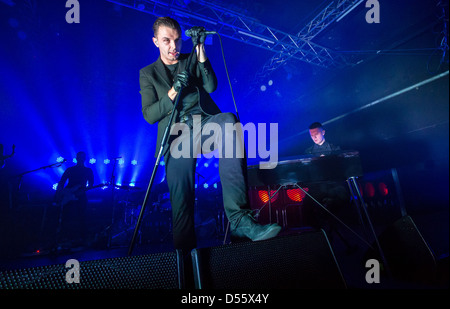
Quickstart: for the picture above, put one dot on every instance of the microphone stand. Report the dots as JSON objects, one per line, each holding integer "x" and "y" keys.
{"x": 19, "y": 185}
{"x": 113, "y": 203}
{"x": 20, "y": 176}
{"x": 163, "y": 143}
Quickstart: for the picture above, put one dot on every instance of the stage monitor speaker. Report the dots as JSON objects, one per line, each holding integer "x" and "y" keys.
{"x": 304, "y": 260}
{"x": 155, "y": 271}
{"x": 407, "y": 254}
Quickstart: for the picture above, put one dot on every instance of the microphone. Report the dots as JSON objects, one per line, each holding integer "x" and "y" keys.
{"x": 195, "y": 31}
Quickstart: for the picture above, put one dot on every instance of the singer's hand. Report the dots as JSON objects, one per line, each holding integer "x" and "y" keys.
{"x": 202, "y": 38}
{"x": 181, "y": 81}
{"x": 198, "y": 35}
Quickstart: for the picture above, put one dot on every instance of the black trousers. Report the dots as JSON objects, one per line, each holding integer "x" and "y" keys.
{"x": 73, "y": 225}
{"x": 180, "y": 173}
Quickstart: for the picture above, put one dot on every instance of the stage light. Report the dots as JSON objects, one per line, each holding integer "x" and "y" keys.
{"x": 205, "y": 185}
{"x": 55, "y": 186}
{"x": 264, "y": 196}
{"x": 296, "y": 195}
{"x": 107, "y": 161}
{"x": 74, "y": 160}
{"x": 162, "y": 163}
{"x": 382, "y": 187}
{"x": 263, "y": 88}
{"x": 121, "y": 161}
{"x": 60, "y": 159}
{"x": 92, "y": 160}
{"x": 134, "y": 162}
{"x": 369, "y": 189}
{"x": 215, "y": 186}
{"x": 206, "y": 164}
{"x": 270, "y": 83}
{"x": 132, "y": 184}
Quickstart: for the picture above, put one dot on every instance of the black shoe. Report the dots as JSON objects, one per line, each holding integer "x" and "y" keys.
{"x": 249, "y": 228}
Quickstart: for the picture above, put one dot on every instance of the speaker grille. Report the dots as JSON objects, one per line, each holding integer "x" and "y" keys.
{"x": 299, "y": 261}
{"x": 408, "y": 255}
{"x": 156, "y": 271}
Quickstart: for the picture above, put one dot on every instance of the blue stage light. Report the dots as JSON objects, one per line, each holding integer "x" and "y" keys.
{"x": 205, "y": 185}
{"x": 134, "y": 162}
{"x": 92, "y": 160}
{"x": 60, "y": 159}
{"x": 55, "y": 186}
{"x": 74, "y": 160}
{"x": 121, "y": 161}
{"x": 106, "y": 161}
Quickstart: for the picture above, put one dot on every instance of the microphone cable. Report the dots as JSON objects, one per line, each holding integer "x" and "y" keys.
{"x": 228, "y": 77}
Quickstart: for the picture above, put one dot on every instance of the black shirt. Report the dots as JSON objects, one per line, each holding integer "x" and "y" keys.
{"x": 189, "y": 100}
{"x": 325, "y": 149}
{"x": 77, "y": 176}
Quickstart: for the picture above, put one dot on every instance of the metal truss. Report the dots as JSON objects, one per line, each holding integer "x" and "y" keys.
{"x": 237, "y": 26}
{"x": 333, "y": 12}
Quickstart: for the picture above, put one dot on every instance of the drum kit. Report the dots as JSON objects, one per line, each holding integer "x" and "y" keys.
{"x": 127, "y": 206}
{"x": 157, "y": 221}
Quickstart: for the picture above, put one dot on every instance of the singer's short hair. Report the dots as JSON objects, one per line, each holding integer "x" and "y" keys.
{"x": 316, "y": 125}
{"x": 167, "y": 22}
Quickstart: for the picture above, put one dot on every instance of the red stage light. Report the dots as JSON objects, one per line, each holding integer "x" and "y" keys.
{"x": 382, "y": 187}
{"x": 264, "y": 196}
{"x": 369, "y": 189}
{"x": 296, "y": 194}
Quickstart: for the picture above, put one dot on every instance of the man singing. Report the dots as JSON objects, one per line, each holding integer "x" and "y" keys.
{"x": 160, "y": 84}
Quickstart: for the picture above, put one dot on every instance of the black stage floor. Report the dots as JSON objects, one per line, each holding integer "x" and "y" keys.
{"x": 433, "y": 227}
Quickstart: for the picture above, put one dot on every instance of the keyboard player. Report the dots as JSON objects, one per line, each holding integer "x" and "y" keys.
{"x": 321, "y": 147}
{"x": 333, "y": 195}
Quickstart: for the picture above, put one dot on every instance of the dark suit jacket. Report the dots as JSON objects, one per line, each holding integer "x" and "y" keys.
{"x": 155, "y": 85}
